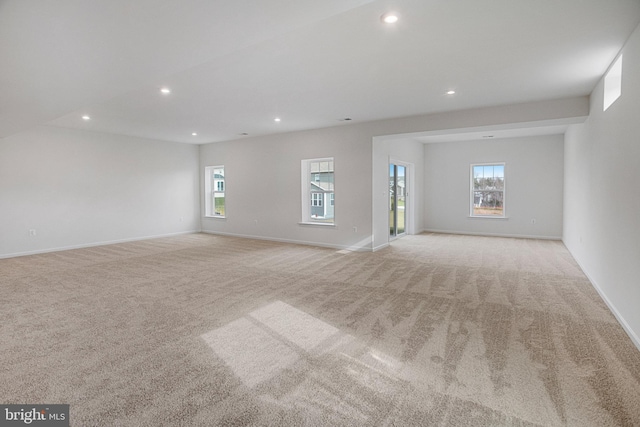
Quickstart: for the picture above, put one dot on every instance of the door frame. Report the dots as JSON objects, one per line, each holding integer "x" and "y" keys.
{"x": 408, "y": 206}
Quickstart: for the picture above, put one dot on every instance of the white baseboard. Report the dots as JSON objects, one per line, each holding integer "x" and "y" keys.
{"x": 473, "y": 233}
{"x": 93, "y": 244}
{"x": 351, "y": 248}
{"x": 379, "y": 247}
{"x": 617, "y": 315}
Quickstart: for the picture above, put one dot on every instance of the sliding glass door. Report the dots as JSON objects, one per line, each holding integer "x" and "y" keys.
{"x": 397, "y": 200}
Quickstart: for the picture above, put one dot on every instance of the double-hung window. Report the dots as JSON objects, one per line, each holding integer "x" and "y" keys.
{"x": 318, "y": 191}
{"x": 214, "y": 191}
{"x": 487, "y": 190}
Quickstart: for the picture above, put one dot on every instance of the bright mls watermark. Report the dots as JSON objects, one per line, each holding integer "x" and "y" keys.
{"x": 34, "y": 415}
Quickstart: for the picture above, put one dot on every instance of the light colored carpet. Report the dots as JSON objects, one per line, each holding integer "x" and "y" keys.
{"x": 205, "y": 330}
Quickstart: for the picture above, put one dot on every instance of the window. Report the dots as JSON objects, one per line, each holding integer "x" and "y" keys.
{"x": 487, "y": 190}
{"x": 214, "y": 191}
{"x": 318, "y": 189}
{"x": 612, "y": 84}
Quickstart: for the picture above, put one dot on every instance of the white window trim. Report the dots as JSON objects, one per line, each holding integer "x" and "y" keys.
{"x": 504, "y": 192}
{"x": 210, "y": 192}
{"x": 305, "y": 173}
{"x": 316, "y": 202}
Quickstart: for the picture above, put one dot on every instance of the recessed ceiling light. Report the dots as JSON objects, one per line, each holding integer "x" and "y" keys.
{"x": 194, "y": 134}
{"x": 451, "y": 92}
{"x": 389, "y": 18}
{"x": 85, "y": 117}
{"x": 165, "y": 90}
{"x": 277, "y": 119}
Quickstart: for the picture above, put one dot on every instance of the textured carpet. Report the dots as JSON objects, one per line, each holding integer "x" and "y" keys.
{"x": 205, "y": 330}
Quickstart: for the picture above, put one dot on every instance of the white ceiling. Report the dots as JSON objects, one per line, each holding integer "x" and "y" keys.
{"x": 234, "y": 65}
{"x": 490, "y": 132}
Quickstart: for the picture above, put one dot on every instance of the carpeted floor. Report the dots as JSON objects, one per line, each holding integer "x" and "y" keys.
{"x": 205, "y": 330}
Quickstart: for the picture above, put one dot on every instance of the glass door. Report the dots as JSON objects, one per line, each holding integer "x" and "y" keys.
{"x": 397, "y": 200}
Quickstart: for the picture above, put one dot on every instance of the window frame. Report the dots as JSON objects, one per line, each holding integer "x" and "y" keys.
{"x": 472, "y": 190}
{"x": 211, "y": 191}
{"x": 316, "y": 202}
{"x": 308, "y": 197}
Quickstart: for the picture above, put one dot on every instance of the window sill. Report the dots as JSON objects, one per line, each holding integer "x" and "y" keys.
{"x": 215, "y": 217}
{"x": 487, "y": 217}
{"x": 319, "y": 224}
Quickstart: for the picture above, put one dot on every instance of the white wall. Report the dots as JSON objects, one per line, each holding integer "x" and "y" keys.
{"x": 79, "y": 188}
{"x": 560, "y": 111}
{"x": 263, "y": 173}
{"x": 533, "y": 186}
{"x": 263, "y": 186}
{"x": 602, "y": 202}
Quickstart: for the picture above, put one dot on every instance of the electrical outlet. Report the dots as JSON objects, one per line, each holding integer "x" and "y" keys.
{"x": 32, "y": 232}
{"x": 355, "y": 229}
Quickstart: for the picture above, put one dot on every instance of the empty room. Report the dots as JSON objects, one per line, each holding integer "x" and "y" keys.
{"x": 336, "y": 213}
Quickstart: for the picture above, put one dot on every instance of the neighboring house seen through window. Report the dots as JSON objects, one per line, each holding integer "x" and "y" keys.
{"x": 318, "y": 189}
{"x": 488, "y": 190}
{"x": 214, "y": 191}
